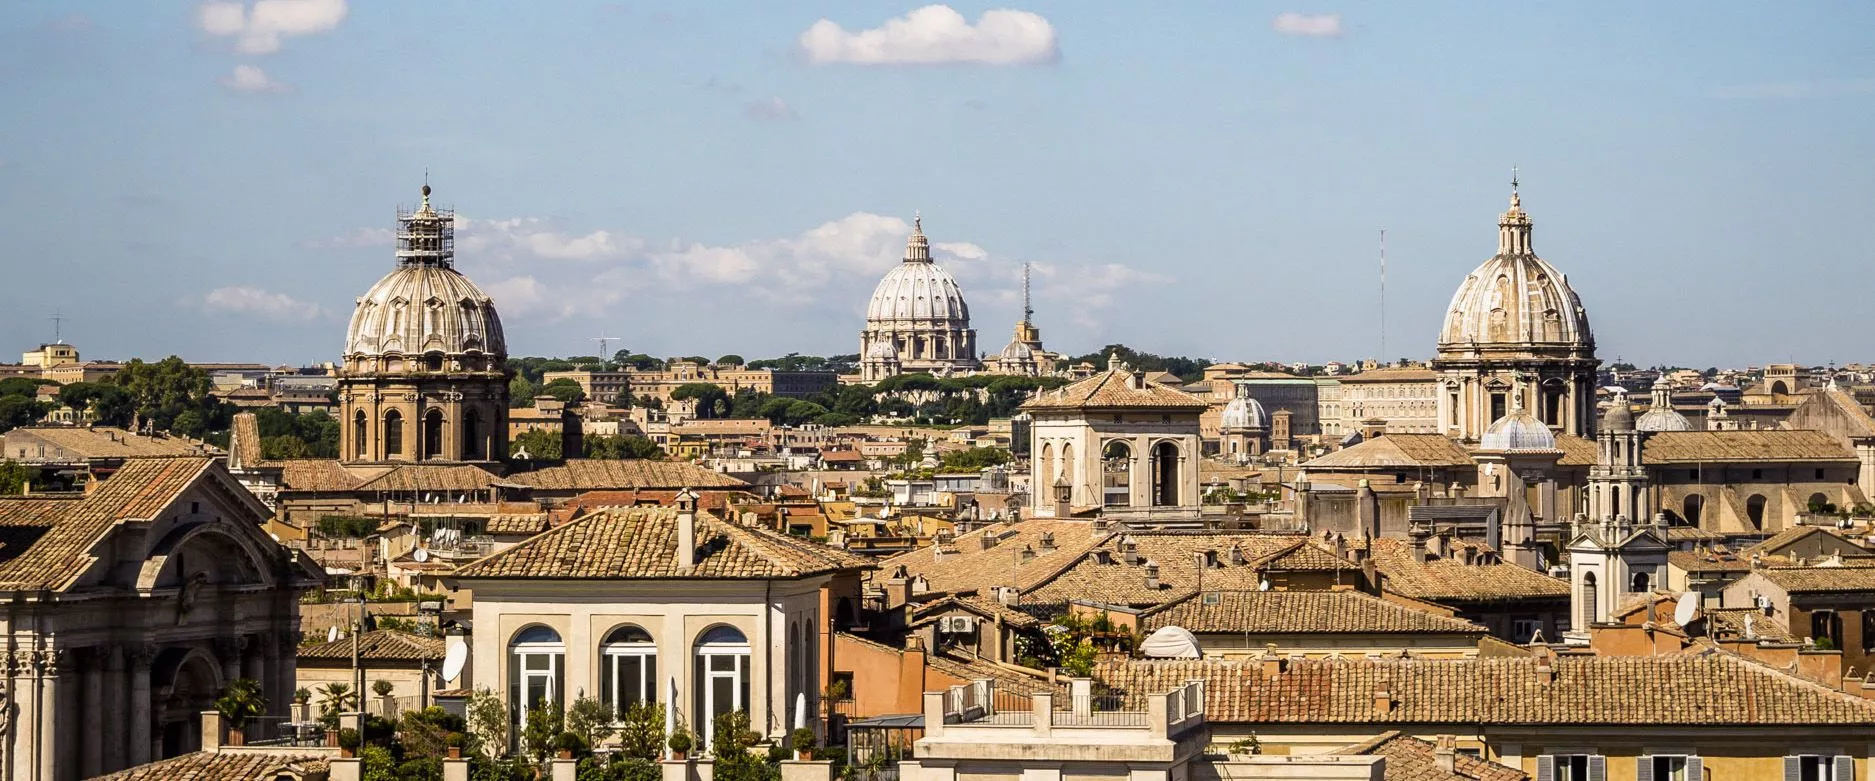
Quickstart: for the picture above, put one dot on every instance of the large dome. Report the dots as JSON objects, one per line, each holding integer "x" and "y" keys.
{"x": 1243, "y": 412}
{"x": 425, "y": 309}
{"x": 1516, "y": 300}
{"x": 918, "y": 289}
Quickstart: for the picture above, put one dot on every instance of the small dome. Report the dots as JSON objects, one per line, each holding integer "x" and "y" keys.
{"x": 1661, "y": 416}
{"x": 883, "y": 350}
{"x": 1244, "y": 412}
{"x": 419, "y": 309}
{"x": 1619, "y": 416}
{"x": 1518, "y": 430}
{"x": 1171, "y": 642}
{"x": 1017, "y": 351}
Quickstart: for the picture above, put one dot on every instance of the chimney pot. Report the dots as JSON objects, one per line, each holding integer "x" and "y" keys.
{"x": 1445, "y": 754}
{"x": 1383, "y": 702}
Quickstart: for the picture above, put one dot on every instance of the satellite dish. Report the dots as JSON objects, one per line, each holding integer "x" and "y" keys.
{"x": 420, "y": 555}
{"x": 454, "y": 657}
{"x": 1688, "y": 609}
{"x": 332, "y": 634}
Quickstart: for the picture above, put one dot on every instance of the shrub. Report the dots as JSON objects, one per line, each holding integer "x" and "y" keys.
{"x": 680, "y": 740}
{"x": 802, "y": 739}
{"x": 350, "y": 740}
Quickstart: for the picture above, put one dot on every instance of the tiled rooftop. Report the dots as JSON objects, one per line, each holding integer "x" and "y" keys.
{"x": 378, "y": 645}
{"x": 1451, "y": 579}
{"x": 1271, "y": 612}
{"x": 641, "y": 542}
{"x": 46, "y": 543}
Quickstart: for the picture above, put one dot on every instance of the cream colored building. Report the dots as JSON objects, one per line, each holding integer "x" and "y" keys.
{"x": 1116, "y": 441}
{"x": 661, "y": 604}
{"x": 49, "y": 356}
{"x": 1404, "y": 399}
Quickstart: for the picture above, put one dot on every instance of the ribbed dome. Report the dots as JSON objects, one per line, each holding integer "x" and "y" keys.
{"x": 422, "y": 309}
{"x": 1017, "y": 351}
{"x": 1243, "y": 412}
{"x": 1518, "y": 430}
{"x": 1515, "y": 300}
{"x": 883, "y": 350}
{"x": 1661, "y": 416}
{"x": 1618, "y": 417}
{"x": 918, "y": 289}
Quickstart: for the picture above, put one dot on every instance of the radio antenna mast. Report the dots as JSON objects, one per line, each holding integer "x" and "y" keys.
{"x": 603, "y": 341}
{"x": 1383, "y": 296}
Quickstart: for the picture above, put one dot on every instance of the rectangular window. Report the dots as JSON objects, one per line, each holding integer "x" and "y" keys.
{"x": 1819, "y": 767}
{"x": 1523, "y": 630}
{"x": 1571, "y": 767}
{"x": 1668, "y": 767}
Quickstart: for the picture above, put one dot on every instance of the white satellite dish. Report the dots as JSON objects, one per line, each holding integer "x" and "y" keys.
{"x": 454, "y": 657}
{"x": 420, "y": 555}
{"x": 332, "y": 634}
{"x": 1688, "y": 609}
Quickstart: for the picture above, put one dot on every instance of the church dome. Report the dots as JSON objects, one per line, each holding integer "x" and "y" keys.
{"x": 1518, "y": 430}
{"x": 1618, "y": 417}
{"x": 1243, "y": 412}
{"x": 425, "y": 306}
{"x": 1017, "y": 351}
{"x": 1516, "y": 301}
{"x": 918, "y": 290}
{"x": 1661, "y": 416}
{"x": 883, "y": 350}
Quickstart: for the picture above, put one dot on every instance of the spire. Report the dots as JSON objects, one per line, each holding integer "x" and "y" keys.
{"x": 426, "y": 237}
{"x": 917, "y": 247}
{"x": 1513, "y": 228}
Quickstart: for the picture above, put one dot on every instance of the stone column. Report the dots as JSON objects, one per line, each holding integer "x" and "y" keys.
{"x": 57, "y": 723}
{"x": 113, "y": 731}
{"x": 91, "y": 739}
{"x": 140, "y": 657}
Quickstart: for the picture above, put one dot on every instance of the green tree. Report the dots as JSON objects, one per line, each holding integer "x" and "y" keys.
{"x": 241, "y": 701}
{"x": 730, "y": 744}
{"x": 13, "y": 478}
{"x": 731, "y": 359}
{"x": 335, "y": 698}
{"x": 487, "y": 719}
{"x": 973, "y": 459}
{"x": 521, "y": 392}
{"x": 22, "y": 386}
{"x": 625, "y": 446}
{"x": 590, "y": 719}
{"x": 110, "y": 405}
{"x": 545, "y": 721}
{"x": 16, "y": 411}
{"x": 641, "y": 733}
{"x": 172, "y": 396}
{"x": 712, "y": 401}
{"x": 565, "y": 390}
{"x": 540, "y": 444}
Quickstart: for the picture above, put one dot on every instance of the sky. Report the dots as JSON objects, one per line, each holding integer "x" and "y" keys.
{"x": 219, "y": 180}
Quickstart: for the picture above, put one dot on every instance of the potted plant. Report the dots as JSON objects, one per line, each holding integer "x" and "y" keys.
{"x": 569, "y": 744}
{"x": 302, "y": 704}
{"x": 452, "y": 745}
{"x": 803, "y": 741}
{"x": 239, "y": 702}
{"x": 349, "y": 741}
{"x": 679, "y": 742}
{"x": 382, "y": 688}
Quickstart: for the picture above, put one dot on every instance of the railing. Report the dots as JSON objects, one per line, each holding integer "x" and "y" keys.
{"x": 979, "y": 703}
{"x": 277, "y": 731}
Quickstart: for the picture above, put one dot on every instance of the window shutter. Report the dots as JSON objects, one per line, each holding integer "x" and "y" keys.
{"x": 1545, "y": 768}
{"x": 1643, "y": 768}
{"x": 1793, "y": 768}
{"x": 1598, "y": 768}
{"x": 1845, "y": 768}
{"x": 1695, "y": 769}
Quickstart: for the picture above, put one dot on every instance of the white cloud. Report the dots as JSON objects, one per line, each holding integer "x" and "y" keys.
{"x": 771, "y": 109}
{"x": 1797, "y": 90}
{"x": 937, "y": 35}
{"x": 260, "y": 28}
{"x": 250, "y": 78}
{"x": 255, "y": 302}
{"x": 1308, "y": 25}
{"x": 597, "y": 244}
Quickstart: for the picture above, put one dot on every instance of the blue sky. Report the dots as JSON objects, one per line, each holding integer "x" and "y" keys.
{"x": 218, "y": 180}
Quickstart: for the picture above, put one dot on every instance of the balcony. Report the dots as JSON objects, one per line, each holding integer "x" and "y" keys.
{"x": 966, "y": 723}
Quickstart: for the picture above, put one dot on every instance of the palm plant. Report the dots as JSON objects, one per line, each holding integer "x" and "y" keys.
{"x": 240, "y": 701}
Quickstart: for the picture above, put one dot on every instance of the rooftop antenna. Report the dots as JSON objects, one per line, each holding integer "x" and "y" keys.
{"x": 1028, "y": 311}
{"x": 1383, "y": 296}
{"x": 58, "y": 325}
{"x": 604, "y": 342}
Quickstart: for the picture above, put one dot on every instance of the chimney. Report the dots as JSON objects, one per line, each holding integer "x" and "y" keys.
{"x": 686, "y": 530}
{"x": 1152, "y": 575}
{"x": 1383, "y": 701}
{"x": 1129, "y": 550}
{"x": 1545, "y": 665}
{"x": 1445, "y": 754}
{"x": 1272, "y": 664}
{"x": 897, "y": 592}
{"x": 1028, "y": 554}
{"x": 1048, "y": 542}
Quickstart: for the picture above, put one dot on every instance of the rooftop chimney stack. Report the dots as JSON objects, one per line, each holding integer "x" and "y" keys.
{"x": 686, "y": 530}
{"x": 1445, "y": 754}
{"x": 1152, "y": 575}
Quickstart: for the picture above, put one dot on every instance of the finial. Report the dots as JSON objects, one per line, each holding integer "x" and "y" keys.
{"x": 917, "y": 221}
{"x": 1516, "y": 201}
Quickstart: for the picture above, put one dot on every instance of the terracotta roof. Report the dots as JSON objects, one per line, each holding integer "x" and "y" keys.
{"x": 1311, "y": 612}
{"x": 244, "y": 765}
{"x": 1776, "y": 543}
{"x": 590, "y": 473}
{"x": 47, "y": 543}
{"x": 323, "y": 475}
{"x": 1708, "y": 687}
{"x": 1731, "y": 621}
{"x": 1108, "y": 578}
{"x": 712, "y": 501}
{"x": 1394, "y": 374}
{"x": 378, "y": 645}
{"x": 641, "y": 542}
{"x": 1116, "y": 390}
{"x": 244, "y": 440}
{"x": 1451, "y": 579}
{"x": 415, "y": 478}
{"x": 1395, "y": 451}
{"x": 1413, "y": 759}
{"x": 1707, "y": 447}
{"x": 517, "y": 523}
{"x": 963, "y": 565}
{"x": 1692, "y": 534}
{"x": 111, "y": 442}
{"x": 1007, "y": 680}
{"x": 1706, "y": 561}
{"x": 1820, "y": 580}
{"x": 1576, "y": 450}
{"x": 983, "y": 606}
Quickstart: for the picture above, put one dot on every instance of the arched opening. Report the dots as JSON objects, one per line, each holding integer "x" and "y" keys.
{"x": 1826, "y": 625}
{"x": 189, "y": 687}
{"x": 1046, "y": 470}
{"x": 1116, "y": 475}
{"x": 1819, "y": 503}
{"x": 1589, "y": 614}
{"x": 393, "y": 434}
{"x": 1165, "y": 460}
{"x": 722, "y": 678}
{"x": 536, "y": 673}
{"x": 1550, "y": 405}
{"x": 1778, "y": 387}
{"x": 1640, "y": 582}
{"x": 1754, "y": 511}
{"x": 1498, "y": 400}
{"x": 473, "y": 448}
{"x": 1691, "y": 508}
{"x": 844, "y": 616}
{"x": 432, "y": 434}
{"x": 1067, "y": 465}
{"x": 628, "y": 668}
{"x": 1614, "y": 501}
{"x": 361, "y": 435}
{"x": 1868, "y": 631}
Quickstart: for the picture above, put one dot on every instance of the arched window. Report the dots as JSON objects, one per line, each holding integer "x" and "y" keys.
{"x": 628, "y": 668}
{"x": 432, "y": 433}
{"x": 1116, "y": 475}
{"x": 361, "y": 435}
{"x": 722, "y": 678}
{"x": 1691, "y": 506}
{"x": 393, "y": 434}
{"x": 1589, "y": 614}
{"x": 1639, "y": 582}
{"x": 1754, "y": 511}
{"x": 472, "y": 444}
{"x": 536, "y": 672}
{"x": 1165, "y": 478}
{"x": 1067, "y": 465}
{"x": 1826, "y": 625}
